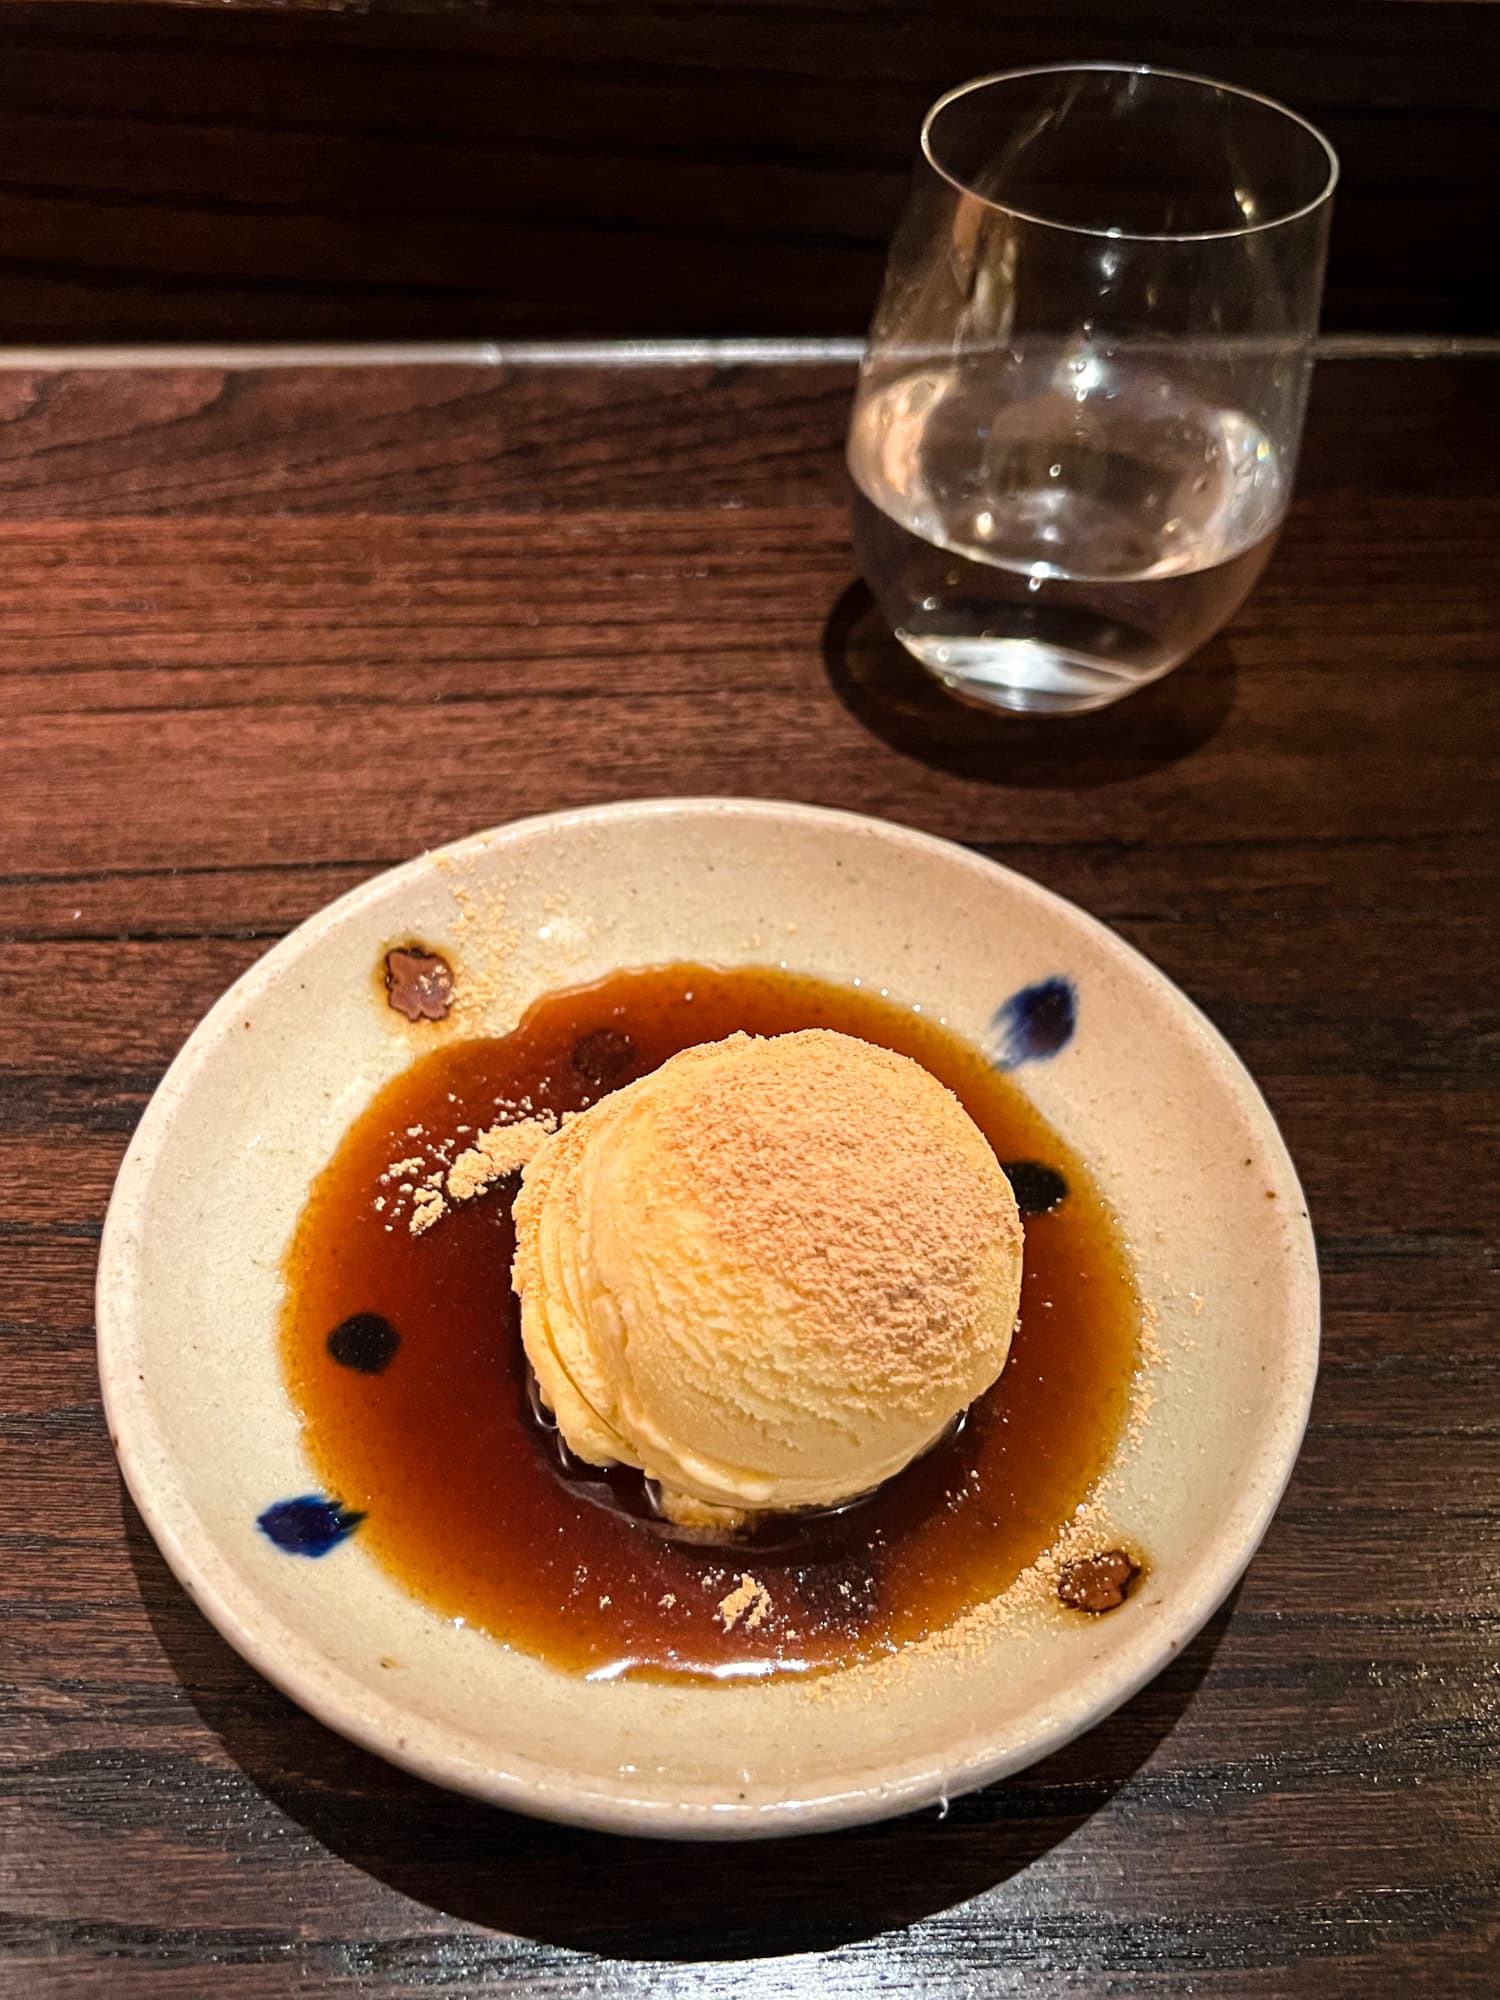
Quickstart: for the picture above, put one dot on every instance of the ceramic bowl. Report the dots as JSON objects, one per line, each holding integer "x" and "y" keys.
{"x": 1140, "y": 1085}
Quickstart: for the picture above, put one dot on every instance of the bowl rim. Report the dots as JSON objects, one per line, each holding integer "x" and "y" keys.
{"x": 380, "y": 1724}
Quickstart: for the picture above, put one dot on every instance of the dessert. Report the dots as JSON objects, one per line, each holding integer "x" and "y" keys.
{"x": 768, "y": 1275}
{"x": 404, "y": 1358}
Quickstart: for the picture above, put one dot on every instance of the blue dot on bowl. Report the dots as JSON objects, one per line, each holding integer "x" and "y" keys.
{"x": 310, "y": 1525}
{"x": 1034, "y": 1024}
{"x": 1038, "y": 1188}
{"x": 365, "y": 1342}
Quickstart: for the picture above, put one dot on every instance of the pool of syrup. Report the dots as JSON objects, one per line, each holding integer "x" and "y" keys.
{"x": 468, "y": 1498}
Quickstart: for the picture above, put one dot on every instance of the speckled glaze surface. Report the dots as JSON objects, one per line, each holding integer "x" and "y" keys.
{"x": 1115, "y": 1057}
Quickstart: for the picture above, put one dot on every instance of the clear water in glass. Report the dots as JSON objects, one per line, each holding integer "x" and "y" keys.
{"x": 1062, "y": 528}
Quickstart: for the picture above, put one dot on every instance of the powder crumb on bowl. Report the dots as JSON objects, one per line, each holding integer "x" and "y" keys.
{"x": 489, "y": 941}
{"x": 427, "y": 1207}
{"x": 749, "y": 1600}
{"x": 499, "y": 1150}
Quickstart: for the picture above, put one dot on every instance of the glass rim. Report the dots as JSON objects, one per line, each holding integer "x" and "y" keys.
{"x": 950, "y": 97}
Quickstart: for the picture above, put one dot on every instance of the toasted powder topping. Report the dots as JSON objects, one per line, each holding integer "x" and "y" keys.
{"x": 750, "y": 1600}
{"x": 859, "y": 1179}
{"x": 427, "y": 1207}
{"x": 498, "y": 1151}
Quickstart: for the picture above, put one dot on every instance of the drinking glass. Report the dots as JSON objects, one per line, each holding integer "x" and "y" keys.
{"x": 1076, "y": 426}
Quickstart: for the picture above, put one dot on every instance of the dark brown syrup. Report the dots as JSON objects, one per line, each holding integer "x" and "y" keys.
{"x": 404, "y": 1356}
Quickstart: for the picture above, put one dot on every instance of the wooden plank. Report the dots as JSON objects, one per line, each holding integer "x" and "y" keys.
{"x": 689, "y": 166}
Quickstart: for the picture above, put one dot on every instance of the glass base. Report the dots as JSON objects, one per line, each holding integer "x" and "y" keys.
{"x": 1026, "y": 676}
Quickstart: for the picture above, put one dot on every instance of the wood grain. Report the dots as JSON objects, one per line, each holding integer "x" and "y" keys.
{"x": 619, "y": 167}
{"x": 266, "y": 633}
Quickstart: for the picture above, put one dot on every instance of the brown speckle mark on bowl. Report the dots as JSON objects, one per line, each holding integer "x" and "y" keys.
{"x": 418, "y": 983}
{"x": 1098, "y": 1583}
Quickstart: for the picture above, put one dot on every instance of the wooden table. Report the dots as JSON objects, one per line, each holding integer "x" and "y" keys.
{"x": 267, "y": 632}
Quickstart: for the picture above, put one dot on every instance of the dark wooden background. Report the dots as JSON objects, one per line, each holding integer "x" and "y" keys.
{"x": 267, "y": 632}
{"x": 642, "y": 166}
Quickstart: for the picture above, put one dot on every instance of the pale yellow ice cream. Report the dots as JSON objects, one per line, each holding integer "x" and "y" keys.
{"x": 769, "y": 1274}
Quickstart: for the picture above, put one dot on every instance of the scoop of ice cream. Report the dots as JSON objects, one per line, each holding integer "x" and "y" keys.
{"x": 769, "y": 1274}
